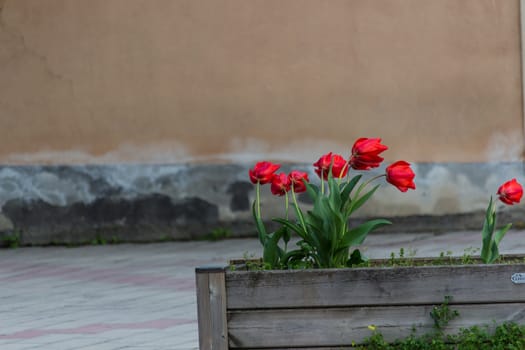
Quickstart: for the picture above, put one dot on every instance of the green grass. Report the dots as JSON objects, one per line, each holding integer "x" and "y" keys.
{"x": 11, "y": 241}
{"x": 507, "y": 336}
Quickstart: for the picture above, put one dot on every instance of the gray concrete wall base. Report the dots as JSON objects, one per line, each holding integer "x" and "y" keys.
{"x": 141, "y": 203}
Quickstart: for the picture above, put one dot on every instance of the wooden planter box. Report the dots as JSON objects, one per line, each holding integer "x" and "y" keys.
{"x": 332, "y": 308}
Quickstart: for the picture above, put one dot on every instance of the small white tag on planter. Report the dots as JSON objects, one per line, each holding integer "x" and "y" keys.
{"x": 518, "y": 278}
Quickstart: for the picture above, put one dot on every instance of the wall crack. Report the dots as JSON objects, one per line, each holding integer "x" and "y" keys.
{"x": 18, "y": 44}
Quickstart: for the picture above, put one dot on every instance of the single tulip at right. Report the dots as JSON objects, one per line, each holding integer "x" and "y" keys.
{"x": 510, "y": 192}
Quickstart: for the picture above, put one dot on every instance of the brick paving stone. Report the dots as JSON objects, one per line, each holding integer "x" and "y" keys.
{"x": 142, "y": 297}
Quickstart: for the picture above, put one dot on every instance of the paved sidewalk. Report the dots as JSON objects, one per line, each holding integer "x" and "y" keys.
{"x": 142, "y": 297}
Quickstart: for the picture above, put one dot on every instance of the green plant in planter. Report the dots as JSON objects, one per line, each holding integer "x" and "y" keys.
{"x": 509, "y": 193}
{"x": 325, "y": 235}
{"x": 509, "y": 336}
{"x": 442, "y": 315}
{"x": 503, "y": 336}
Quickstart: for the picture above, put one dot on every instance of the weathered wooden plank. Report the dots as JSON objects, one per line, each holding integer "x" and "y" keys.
{"x": 203, "y": 310}
{"x": 343, "y": 326}
{"x": 373, "y": 286}
{"x": 211, "y": 309}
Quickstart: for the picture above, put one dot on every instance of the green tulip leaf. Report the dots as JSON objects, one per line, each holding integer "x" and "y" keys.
{"x": 362, "y": 200}
{"x": 314, "y": 221}
{"x": 271, "y": 250}
{"x": 494, "y": 250}
{"x": 312, "y": 190}
{"x": 293, "y": 226}
{"x": 358, "y": 234}
{"x": 334, "y": 198}
{"x": 487, "y": 233}
{"x": 293, "y": 256}
{"x": 287, "y": 234}
{"x": 347, "y": 188}
{"x": 259, "y": 225}
{"x": 501, "y": 233}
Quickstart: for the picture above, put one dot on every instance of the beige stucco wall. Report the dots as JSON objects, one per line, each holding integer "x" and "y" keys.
{"x": 183, "y": 80}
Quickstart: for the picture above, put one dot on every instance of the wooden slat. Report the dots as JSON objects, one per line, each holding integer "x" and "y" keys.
{"x": 203, "y": 310}
{"x": 373, "y": 286}
{"x": 340, "y": 327}
{"x": 211, "y": 309}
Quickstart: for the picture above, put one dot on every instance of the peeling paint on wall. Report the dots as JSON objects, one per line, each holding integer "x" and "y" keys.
{"x": 503, "y": 147}
{"x": 506, "y": 147}
{"x": 57, "y": 201}
{"x": 237, "y": 151}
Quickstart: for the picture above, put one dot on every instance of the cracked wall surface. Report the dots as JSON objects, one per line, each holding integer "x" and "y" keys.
{"x": 105, "y": 81}
{"x": 79, "y": 204}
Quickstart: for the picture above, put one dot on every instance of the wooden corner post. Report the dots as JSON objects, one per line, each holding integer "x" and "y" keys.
{"x": 211, "y": 308}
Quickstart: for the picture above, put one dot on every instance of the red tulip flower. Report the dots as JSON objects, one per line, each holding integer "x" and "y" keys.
{"x": 280, "y": 184}
{"x": 401, "y": 175}
{"x": 263, "y": 172}
{"x": 510, "y": 192}
{"x": 298, "y": 180}
{"x": 338, "y": 163}
{"x": 365, "y": 153}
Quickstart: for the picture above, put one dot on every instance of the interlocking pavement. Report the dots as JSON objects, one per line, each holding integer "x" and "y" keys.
{"x": 142, "y": 297}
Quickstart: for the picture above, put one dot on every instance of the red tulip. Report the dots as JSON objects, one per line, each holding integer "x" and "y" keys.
{"x": 510, "y": 192}
{"x": 298, "y": 179}
{"x": 401, "y": 175}
{"x": 365, "y": 153}
{"x": 280, "y": 184}
{"x": 263, "y": 172}
{"x": 338, "y": 163}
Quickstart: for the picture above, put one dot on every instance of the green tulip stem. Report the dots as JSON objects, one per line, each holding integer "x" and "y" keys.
{"x": 286, "y": 204}
{"x": 364, "y": 184}
{"x": 347, "y": 164}
{"x": 258, "y": 198}
{"x": 322, "y": 183}
{"x": 301, "y": 219}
